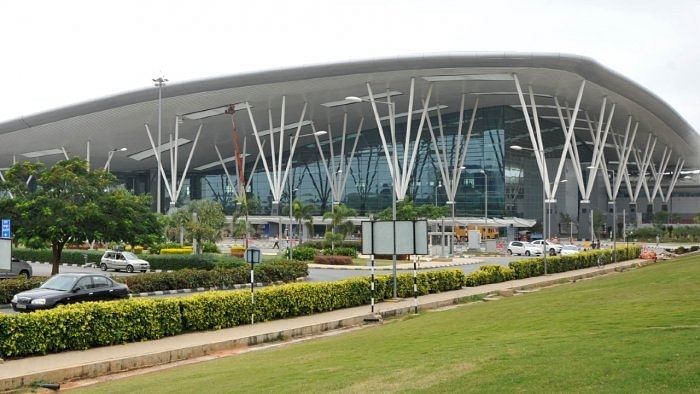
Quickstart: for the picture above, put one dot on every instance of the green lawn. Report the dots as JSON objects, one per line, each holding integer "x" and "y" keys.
{"x": 633, "y": 332}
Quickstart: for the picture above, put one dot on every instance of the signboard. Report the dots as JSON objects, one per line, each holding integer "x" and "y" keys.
{"x": 5, "y": 229}
{"x": 5, "y": 254}
{"x": 395, "y": 237}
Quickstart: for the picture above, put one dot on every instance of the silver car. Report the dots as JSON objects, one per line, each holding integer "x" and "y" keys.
{"x": 126, "y": 261}
{"x": 17, "y": 269}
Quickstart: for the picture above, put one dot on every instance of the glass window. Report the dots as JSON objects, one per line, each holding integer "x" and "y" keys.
{"x": 84, "y": 283}
{"x": 100, "y": 282}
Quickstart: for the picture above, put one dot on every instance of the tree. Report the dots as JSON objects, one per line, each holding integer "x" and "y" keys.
{"x": 339, "y": 223}
{"x": 660, "y": 218}
{"x": 598, "y": 223}
{"x": 68, "y": 202}
{"x": 206, "y": 220}
{"x": 407, "y": 210}
{"x": 303, "y": 212}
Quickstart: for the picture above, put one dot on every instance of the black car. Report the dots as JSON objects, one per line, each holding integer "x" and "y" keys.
{"x": 69, "y": 288}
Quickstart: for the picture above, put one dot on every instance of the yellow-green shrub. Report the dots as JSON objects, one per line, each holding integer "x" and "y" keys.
{"x": 183, "y": 250}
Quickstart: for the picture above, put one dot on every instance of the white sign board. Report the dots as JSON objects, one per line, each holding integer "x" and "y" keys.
{"x": 474, "y": 239}
{"x": 395, "y": 237}
{"x": 5, "y": 254}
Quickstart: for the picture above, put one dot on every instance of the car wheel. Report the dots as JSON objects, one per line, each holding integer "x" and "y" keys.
{"x": 552, "y": 251}
{"x": 143, "y": 271}
{"x": 129, "y": 268}
{"x": 103, "y": 267}
{"x": 510, "y": 252}
{"x": 24, "y": 274}
{"x": 527, "y": 253}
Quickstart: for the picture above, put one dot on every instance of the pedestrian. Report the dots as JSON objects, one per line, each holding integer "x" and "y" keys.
{"x": 277, "y": 243}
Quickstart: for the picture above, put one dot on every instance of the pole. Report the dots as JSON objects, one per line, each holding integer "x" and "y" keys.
{"x": 486, "y": 198}
{"x": 252, "y": 294}
{"x": 291, "y": 202}
{"x": 372, "y": 284}
{"x": 614, "y": 232}
{"x": 454, "y": 231}
{"x": 393, "y": 257}
{"x": 160, "y": 109}
{"x": 544, "y": 224}
{"x": 415, "y": 286}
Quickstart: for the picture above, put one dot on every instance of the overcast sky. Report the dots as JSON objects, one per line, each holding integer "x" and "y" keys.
{"x": 57, "y": 53}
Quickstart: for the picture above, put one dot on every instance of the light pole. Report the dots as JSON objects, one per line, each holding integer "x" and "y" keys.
{"x": 486, "y": 196}
{"x": 544, "y": 208}
{"x": 279, "y": 229}
{"x": 391, "y": 106}
{"x": 110, "y": 154}
{"x": 159, "y": 83}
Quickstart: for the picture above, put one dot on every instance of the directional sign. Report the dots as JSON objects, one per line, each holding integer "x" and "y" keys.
{"x": 5, "y": 230}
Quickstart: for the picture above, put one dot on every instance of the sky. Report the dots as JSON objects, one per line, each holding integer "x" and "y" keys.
{"x": 57, "y": 53}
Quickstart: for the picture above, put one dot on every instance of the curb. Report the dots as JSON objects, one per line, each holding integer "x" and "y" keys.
{"x": 421, "y": 266}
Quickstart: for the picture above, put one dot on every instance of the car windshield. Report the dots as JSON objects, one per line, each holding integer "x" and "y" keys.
{"x": 129, "y": 256}
{"x": 61, "y": 282}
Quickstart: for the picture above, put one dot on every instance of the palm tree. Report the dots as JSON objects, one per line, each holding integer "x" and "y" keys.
{"x": 303, "y": 212}
{"x": 339, "y": 222}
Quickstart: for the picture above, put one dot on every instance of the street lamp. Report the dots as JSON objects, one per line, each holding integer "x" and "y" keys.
{"x": 486, "y": 196}
{"x": 544, "y": 209}
{"x": 159, "y": 83}
{"x": 289, "y": 181}
{"x": 110, "y": 154}
{"x": 355, "y": 99}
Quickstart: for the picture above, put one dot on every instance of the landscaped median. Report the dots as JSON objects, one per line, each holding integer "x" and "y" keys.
{"x": 82, "y": 326}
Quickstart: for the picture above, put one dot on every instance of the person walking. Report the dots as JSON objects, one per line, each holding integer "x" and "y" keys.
{"x": 277, "y": 243}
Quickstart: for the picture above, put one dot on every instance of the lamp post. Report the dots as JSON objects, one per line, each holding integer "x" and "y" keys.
{"x": 110, "y": 155}
{"x": 159, "y": 83}
{"x": 486, "y": 196}
{"x": 279, "y": 230}
{"x": 355, "y": 99}
{"x": 544, "y": 208}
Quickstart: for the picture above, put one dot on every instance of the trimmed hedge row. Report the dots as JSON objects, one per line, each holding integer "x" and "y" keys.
{"x": 204, "y": 261}
{"x": 284, "y": 271}
{"x": 340, "y": 251}
{"x": 535, "y": 267}
{"x": 10, "y": 287}
{"x": 323, "y": 244}
{"x": 86, "y": 325}
{"x": 333, "y": 260}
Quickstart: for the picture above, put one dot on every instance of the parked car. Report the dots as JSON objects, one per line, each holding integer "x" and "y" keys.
{"x": 18, "y": 268}
{"x": 569, "y": 250}
{"x": 67, "y": 289}
{"x": 523, "y": 248}
{"x": 126, "y": 261}
{"x": 552, "y": 248}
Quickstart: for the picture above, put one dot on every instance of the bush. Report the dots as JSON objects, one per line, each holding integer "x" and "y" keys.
{"x": 323, "y": 244}
{"x": 191, "y": 279}
{"x": 489, "y": 274}
{"x": 67, "y": 256}
{"x": 210, "y": 247}
{"x": 10, "y": 287}
{"x": 340, "y": 251}
{"x": 183, "y": 250}
{"x": 535, "y": 267}
{"x": 86, "y": 325}
{"x": 173, "y": 262}
{"x": 333, "y": 260}
{"x": 680, "y": 250}
{"x": 302, "y": 253}
{"x": 694, "y": 248}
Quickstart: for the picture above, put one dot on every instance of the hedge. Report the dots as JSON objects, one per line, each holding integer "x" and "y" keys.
{"x": 92, "y": 324}
{"x": 487, "y": 274}
{"x": 340, "y": 251}
{"x": 535, "y": 267}
{"x": 303, "y": 253}
{"x": 333, "y": 260}
{"x": 10, "y": 287}
{"x": 205, "y": 261}
{"x": 284, "y": 271}
{"x": 323, "y": 244}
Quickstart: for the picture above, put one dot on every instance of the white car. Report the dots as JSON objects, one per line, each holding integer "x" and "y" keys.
{"x": 126, "y": 261}
{"x": 551, "y": 247}
{"x": 569, "y": 250}
{"x": 523, "y": 248}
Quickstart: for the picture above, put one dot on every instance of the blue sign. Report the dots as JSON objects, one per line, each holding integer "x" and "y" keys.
{"x": 5, "y": 232}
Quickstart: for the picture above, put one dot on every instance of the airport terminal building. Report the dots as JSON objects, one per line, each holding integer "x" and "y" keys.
{"x": 490, "y": 135}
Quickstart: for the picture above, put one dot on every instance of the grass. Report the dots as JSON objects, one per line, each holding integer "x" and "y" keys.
{"x": 638, "y": 331}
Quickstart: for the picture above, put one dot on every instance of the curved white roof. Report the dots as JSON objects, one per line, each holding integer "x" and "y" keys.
{"x": 118, "y": 121}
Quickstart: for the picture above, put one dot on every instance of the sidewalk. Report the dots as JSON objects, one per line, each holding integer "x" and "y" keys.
{"x": 62, "y": 367}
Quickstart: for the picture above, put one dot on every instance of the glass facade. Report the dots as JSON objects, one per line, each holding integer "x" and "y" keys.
{"x": 511, "y": 180}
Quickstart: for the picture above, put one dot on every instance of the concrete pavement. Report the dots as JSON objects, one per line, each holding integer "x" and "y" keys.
{"x": 73, "y": 365}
